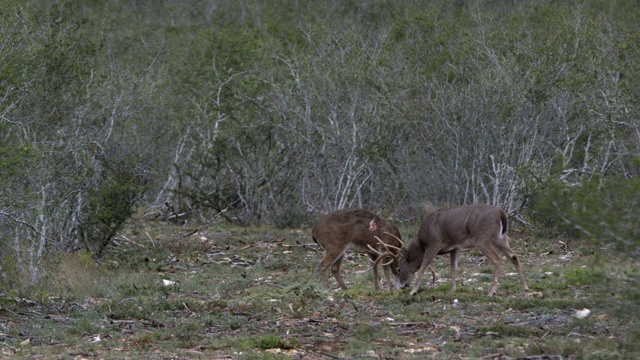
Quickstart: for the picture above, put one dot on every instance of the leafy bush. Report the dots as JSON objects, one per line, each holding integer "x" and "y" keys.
{"x": 605, "y": 209}
{"x": 290, "y": 218}
{"x": 111, "y": 198}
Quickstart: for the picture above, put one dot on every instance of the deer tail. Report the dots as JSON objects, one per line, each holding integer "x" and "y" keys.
{"x": 504, "y": 221}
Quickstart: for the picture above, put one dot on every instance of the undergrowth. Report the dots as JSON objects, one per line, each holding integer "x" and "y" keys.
{"x": 254, "y": 293}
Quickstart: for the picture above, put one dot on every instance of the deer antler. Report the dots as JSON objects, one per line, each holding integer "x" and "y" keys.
{"x": 381, "y": 257}
{"x": 395, "y": 237}
{"x": 387, "y": 253}
{"x": 386, "y": 246}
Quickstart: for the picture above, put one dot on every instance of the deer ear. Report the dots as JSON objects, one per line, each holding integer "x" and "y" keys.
{"x": 372, "y": 225}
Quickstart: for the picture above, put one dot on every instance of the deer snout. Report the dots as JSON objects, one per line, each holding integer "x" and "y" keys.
{"x": 405, "y": 280}
{"x": 396, "y": 283}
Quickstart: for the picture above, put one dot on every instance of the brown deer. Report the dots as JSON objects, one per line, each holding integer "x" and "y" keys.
{"x": 451, "y": 230}
{"x": 360, "y": 231}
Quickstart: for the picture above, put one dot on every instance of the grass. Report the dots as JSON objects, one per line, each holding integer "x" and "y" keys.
{"x": 254, "y": 294}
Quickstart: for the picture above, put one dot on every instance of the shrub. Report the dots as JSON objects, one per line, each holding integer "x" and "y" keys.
{"x": 604, "y": 208}
{"x": 111, "y": 197}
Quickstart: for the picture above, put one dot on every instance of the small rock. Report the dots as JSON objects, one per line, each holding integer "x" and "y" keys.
{"x": 95, "y": 339}
{"x": 582, "y": 313}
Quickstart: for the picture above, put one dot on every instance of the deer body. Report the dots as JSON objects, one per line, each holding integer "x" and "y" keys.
{"x": 357, "y": 230}
{"x": 450, "y": 231}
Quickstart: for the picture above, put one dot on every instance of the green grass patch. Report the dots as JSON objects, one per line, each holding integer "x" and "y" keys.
{"x": 502, "y": 330}
{"x": 271, "y": 342}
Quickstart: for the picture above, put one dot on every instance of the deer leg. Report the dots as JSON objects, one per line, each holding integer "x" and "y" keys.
{"x": 455, "y": 255}
{"x": 374, "y": 271}
{"x": 429, "y": 255}
{"x": 330, "y": 258}
{"x": 335, "y": 269}
{"x": 503, "y": 246}
{"x": 489, "y": 252}
{"x": 322, "y": 270}
{"x": 387, "y": 276}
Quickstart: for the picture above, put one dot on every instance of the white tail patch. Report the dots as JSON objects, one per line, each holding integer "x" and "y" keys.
{"x": 501, "y": 235}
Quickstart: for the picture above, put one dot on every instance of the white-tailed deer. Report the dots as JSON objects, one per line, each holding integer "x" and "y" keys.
{"x": 451, "y": 230}
{"x": 360, "y": 231}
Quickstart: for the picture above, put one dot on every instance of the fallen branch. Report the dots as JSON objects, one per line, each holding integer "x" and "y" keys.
{"x": 126, "y": 239}
{"x": 333, "y": 356}
{"x": 274, "y": 241}
{"x": 307, "y": 246}
{"x": 150, "y": 238}
{"x": 493, "y": 356}
{"x": 198, "y": 230}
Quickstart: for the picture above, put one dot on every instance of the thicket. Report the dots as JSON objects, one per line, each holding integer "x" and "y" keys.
{"x": 276, "y": 111}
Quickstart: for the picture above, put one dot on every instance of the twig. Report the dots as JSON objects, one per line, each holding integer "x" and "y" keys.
{"x": 197, "y": 230}
{"x": 81, "y": 353}
{"x": 276, "y": 285}
{"x": 122, "y": 237}
{"x": 331, "y": 314}
{"x": 150, "y": 238}
{"x": 333, "y": 356}
{"x": 492, "y": 356}
{"x": 274, "y": 241}
{"x": 5, "y": 214}
{"x": 308, "y": 246}
{"x": 411, "y": 324}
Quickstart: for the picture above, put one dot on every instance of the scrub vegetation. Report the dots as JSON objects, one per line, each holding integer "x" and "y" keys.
{"x": 198, "y": 142}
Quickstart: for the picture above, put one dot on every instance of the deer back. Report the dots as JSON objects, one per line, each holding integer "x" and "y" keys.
{"x": 355, "y": 227}
{"x": 462, "y": 226}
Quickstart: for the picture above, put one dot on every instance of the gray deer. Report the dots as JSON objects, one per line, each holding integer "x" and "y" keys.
{"x": 450, "y": 231}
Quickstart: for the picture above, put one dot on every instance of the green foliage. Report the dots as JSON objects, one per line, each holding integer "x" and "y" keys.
{"x": 605, "y": 209}
{"x": 290, "y": 218}
{"x": 382, "y": 104}
{"x": 60, "y": 62}
{"x": 111, "y": 198}
{"x": 13, "y": 158}
{"x": 9, "y": 274}
{"x": 304, "y": 292}
{"x": 271, "y": 342}
{"x": 583, "y": 276}
{"x": 503, "y": 330}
